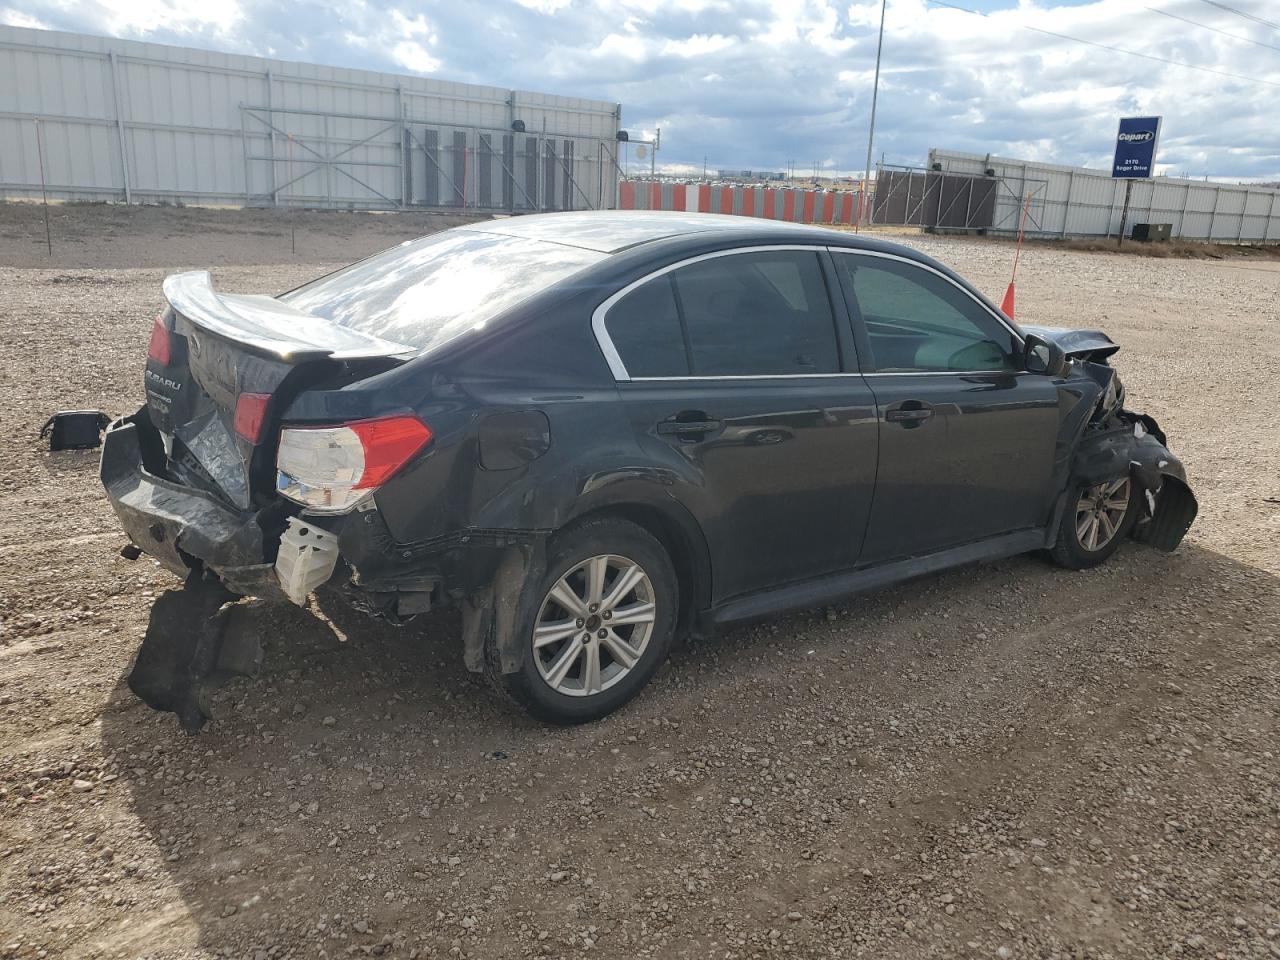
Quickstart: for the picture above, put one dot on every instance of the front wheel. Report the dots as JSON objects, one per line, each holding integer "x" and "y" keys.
{"x": 602, "y": 622}
{"x": 1095, "y": 522}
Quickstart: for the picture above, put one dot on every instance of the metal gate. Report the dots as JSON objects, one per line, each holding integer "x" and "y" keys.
{"x": 933, "y": 199}
{"x": 297, "y": 157}
{"x": 512, "y": 171}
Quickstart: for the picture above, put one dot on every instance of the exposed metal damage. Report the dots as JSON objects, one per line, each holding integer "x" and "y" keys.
{"x": 1106, "y": 441}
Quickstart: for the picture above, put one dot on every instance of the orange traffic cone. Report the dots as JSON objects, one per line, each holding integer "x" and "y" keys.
{"x": 1006, "y": 305}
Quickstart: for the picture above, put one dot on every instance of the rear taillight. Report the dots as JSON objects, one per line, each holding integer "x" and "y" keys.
{"x": 158, "y": 349}
{"x": 330, "y": 469}
{"x": 251, "y": 414}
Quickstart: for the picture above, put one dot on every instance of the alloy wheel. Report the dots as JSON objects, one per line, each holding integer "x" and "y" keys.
{"x": 1100, "y": 512}
{"x": 594, "y": 625}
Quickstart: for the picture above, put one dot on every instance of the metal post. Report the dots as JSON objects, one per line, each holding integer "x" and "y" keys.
{"x": 1243, "y": 212}
{"x": 1066, "y": 209}
{"x": 1266, "y": 227}
{"x": 1111, "y": 209}
{"x": 244, "y": 149}
{"x": 1217, "y": 195}
{"x": 406, "y": 154}
{"x": 124, "y": 151}
{"x": 328, "y": 167}
{"x": 1186, "y": 202}
{"x": 875, "y": 89}
{"x": 1124, "y": 211}
{"x": 271, "y": 144}
{"x": 293, "y": 209}
{"x": 44, "y": 197}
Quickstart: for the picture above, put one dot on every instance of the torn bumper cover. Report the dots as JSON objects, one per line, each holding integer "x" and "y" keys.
{"x": 176, "y": 524}
{"x": 1135, "y": 446}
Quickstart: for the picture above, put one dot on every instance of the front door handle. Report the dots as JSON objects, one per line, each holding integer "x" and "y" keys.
{"x": 911, "y": 413}
{"x": 690, "y": 429}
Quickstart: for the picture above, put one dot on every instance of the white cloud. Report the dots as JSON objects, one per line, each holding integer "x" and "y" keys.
{"x": 627, "y": 46}
{"x": 183, "y": 17}
{"x": 414, "y": 56}
{"x": 16, "y": 18}
{"x": 545, "y": 6}
{"x": 698, "y": 45}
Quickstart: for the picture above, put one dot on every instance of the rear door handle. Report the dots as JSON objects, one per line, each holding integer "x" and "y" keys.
{"x": 897, "y": 416}
{"x": 918, "y": 412}
{"x": 689, "y": 429}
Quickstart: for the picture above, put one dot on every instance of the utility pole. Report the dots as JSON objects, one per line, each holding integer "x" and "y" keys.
{"x": 875, "y": 92}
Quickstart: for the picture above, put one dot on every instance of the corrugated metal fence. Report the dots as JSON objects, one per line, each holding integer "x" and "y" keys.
{"x": 772, "y": 203}
{"x": 125, "y": 120}
{"x": 1082, "y": 202}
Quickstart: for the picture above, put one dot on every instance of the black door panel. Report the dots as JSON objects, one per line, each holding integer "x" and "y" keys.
{"x": 979, "y": 465}
{"x": 782, "y": 470}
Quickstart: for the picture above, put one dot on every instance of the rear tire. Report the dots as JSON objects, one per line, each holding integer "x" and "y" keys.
{"x": 602, "y": 619}
{"x": 1097, "y": 518}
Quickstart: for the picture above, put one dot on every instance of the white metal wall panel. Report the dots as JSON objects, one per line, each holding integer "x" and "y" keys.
{"x": 1079, "y": 201}
{"x": 193, "y": 124}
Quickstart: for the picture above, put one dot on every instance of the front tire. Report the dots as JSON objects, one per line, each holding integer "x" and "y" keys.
{"x": 1097, "y": 519}
{"x": 603, "y": 617}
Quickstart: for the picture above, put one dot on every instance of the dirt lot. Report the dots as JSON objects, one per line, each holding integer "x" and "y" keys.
{"x": 1005, "y": 761}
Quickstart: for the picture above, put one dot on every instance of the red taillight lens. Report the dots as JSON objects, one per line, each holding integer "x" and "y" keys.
{"x": 332, "y": 468}
{"x": 158, "y": 349}
{"x": 251, "y": 414}
{"x": 388, "y": 443}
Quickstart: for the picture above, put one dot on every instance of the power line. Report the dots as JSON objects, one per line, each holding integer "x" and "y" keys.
{"x": 1129, "y": 53}
{"x": 1241, "y": 13}
{"x": 1205, "y": 26}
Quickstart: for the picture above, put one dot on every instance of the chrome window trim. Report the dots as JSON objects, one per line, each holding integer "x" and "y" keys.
{"x": 750, "y": 376}
{"x": 995, "y": 314}
{"x": 611, "y": 355}
{"x": 619, "y": 369}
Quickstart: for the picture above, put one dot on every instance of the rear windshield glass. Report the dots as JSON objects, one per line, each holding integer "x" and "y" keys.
{"x": 428, "y": 291}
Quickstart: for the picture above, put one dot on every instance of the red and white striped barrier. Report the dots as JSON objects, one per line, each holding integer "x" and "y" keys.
{"x": 771, "y": 203}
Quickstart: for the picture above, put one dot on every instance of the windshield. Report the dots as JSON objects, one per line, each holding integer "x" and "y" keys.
{"x": 428, "y": 291}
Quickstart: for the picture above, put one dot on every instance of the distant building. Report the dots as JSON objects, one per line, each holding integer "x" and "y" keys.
{"x": 749, "y": 175}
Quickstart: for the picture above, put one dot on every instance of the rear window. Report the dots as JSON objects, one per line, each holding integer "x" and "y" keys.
{"x": 426, "y": 292}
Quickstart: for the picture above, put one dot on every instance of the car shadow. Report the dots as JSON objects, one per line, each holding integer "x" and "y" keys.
{"x": 366, "y": 765}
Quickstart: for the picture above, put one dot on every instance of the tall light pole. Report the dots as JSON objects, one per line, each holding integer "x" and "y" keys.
{"x": 875, "y": 91}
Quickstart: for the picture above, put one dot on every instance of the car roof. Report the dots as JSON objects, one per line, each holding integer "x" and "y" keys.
{"x": 612, "y": 231}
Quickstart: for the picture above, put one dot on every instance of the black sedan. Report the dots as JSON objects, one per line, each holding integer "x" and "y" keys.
{"x": 597, "y": 432}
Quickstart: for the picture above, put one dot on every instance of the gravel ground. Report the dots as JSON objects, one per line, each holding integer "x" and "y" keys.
{"x": 1003, "y": 761}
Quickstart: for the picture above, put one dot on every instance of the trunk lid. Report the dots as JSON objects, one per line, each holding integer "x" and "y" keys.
{"x": 221, "y": 346}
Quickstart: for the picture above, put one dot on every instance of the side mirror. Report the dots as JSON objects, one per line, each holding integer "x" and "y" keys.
{"x": 1043, "y": 356}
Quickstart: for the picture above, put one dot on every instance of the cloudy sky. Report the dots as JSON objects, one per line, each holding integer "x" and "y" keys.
{"x": 762, "y": 84}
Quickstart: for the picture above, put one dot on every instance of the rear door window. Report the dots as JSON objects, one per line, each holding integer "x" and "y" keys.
{"x": 758, "y": 314}
{"x": 764, "y": 313}
{"x": 646, "y": 331}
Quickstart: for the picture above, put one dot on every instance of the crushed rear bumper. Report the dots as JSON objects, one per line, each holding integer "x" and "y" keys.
{"x": 182, "y": 527}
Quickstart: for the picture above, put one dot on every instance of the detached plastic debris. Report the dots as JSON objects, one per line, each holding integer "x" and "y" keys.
{"x": 75, "y": 429}
{"x": 306, "y": 559}
{"x": 196, "y": 638}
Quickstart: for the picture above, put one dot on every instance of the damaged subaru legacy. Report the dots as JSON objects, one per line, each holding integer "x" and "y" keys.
{"x": 597, "y": 432}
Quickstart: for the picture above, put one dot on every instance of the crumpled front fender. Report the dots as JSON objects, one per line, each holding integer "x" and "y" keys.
{"x": 1136, "y": 446}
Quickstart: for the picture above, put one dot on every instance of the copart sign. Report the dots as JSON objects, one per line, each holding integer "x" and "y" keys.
{"x": 1136, "y": 147}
